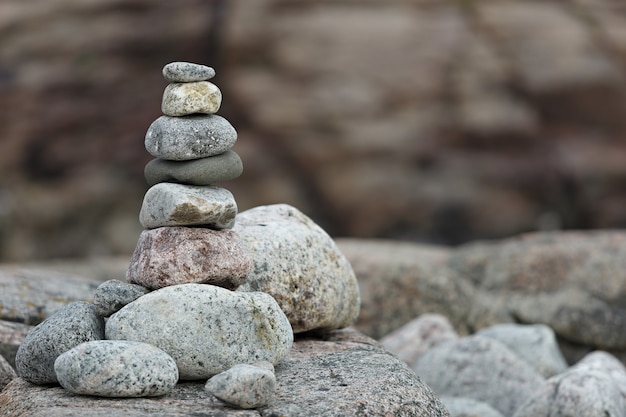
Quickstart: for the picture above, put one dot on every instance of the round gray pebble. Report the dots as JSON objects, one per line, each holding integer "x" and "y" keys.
{"x": 112, "y": 295}
{"x": 186, "y": 72}
{"x": 243, "y": 386}
{"x": 204, "y": 171}
{"x": 116, "y": 368}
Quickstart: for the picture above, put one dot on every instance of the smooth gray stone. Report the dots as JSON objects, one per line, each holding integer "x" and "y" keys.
{"x": 467, "y": 407}
{"x": 186, "y": 72}
{"x": 605, "y": 362}
{"x": 116, "y": 368}
{"x": 112, "y": 295}
{"x": 190, "y": 137}
{"x": 204, "y": 171}
{"x": 72, "y": 325}
{"x": 182, "y": 99}
{"x": 243, "y": 386}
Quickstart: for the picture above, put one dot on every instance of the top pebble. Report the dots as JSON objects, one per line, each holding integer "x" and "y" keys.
{"x": 187, "y": 72}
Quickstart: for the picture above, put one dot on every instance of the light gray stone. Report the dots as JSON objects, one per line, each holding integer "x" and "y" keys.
{"x": 480, "y": 368}
{"x": 186, "y": 72}
{"x": 170, "y": 204}
{"x": 206, "y": 329}
{"x": 297, "y": 263}
{"x": 190, "y": 137}
{"x": 468, "y": 407}
{"x": 181, "y": 99}
{"x": 116, "y": 368}
{"x": 243, "y": 386}
{"x": 535, "y": 343}
{"x": 604, "y": 362}
{"x": 112, "y": 295}
{"x": 180, "y": 255}
{"x": 7, "y": 373}
{"x": 204, "y": 171}
{"x": 72, "y": 325}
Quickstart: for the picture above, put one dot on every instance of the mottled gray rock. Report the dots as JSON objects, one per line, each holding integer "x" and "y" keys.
{"x": 604, "y": 362}
{"x": 339, "y": 374}
{"x": 206, "y": 329}
{"x": 243, "y": 386}
{"x": 116, "y": 368}
{"x": 11, "y": 337}
{"x": 112, "y": 295}
{"x": 480, "y": 368}
{"x": 72, "y": 325}
{"x": 189, "y": 137}
{"x": 181, "y": 99}
{"x": 578, "y": 392}
{"x": 179, "y": 255}
{"x": 415, "y": 338}
{"x": 297, "y": 263}
{"x": 186, "y": 72}
{"x": 204, "y": 171}
{"x": 170, "y": 204}
{"x": 468, "y": 407}
{"x": 535, "y": 343}
{"x": 7, "y": 373}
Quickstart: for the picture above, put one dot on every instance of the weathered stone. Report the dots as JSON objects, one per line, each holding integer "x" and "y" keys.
{"x": 606, "y": 363}
{"x": 179, "y": 255}
{"x": 112, "y": 295}
{"x": 170, "y": 204}
{"x": 11, "y": 337}
{"x": 243, "y": 386}
{"x": 298, "y": 264}
{"x": 206, "y": 329}
{"x": 189, "y": 137}
{"x": 204, "y": 171}
{"x": 182, "y": 99}
{"x": 72, "y": 325}
{"x": 186, "y": 72}
{"x": 7, "y": 373}
{"x": 468, "y": 407}
{"x": 339, "y": 374}
{"x": 116, "y": 368}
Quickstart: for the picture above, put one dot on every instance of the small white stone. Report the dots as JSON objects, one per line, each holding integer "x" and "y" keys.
{"x": 181, "y": 99}
{"x": 243, "y": 386}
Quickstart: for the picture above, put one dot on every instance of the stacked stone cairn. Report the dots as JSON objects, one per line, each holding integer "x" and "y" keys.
{"x": 205, "y": 297}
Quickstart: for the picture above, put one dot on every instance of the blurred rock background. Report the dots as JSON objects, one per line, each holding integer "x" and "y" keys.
{"x": 439, "y": 121}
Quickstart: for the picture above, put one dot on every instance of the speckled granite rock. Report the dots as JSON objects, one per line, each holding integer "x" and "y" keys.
{"x": 297, "y": 263}
{"x": 11, "y": 336}
{"x": 204, "y": 171}
{"x": 112, "y": 295}
{"x": 179, "y": 255}
{"x": 181, "y": 99}
{"x": 243, "y": 386}
{"x": 116, "y": 368}
{"x": 206, "y": 329}
{"x": 186, "y": 72}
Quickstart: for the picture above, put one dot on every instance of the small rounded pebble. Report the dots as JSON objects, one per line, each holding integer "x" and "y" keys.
{"x": 181, "y": 99}
{"x": 186, "y": 72}
{"x": 243, "y": 386}
{"x": 112, "y": 295}
{"x": 116, "y": 368}
{"x": 204, "y": 171}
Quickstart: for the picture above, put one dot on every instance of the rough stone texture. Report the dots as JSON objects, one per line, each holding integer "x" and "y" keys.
{"x": 185, "y": 72}
{"x": 479, "y": 368}
{"x": 243, "y": 386}
{"x": 170, "y": 204}
{"x": 536, "y": 344}
{"x": 297, "y": 263}
{"x": 182, "y": 99}
{"x": 467, "y": 407}
{"x": 204, "y": 171}
{"x": 575, "y": 393}
{"x": 70, "y": 326}
{"x": 7, "y": 373}
{"x": 114, "y": 368}
{"x": 11, "y": 336}
{"x": 180, "y": 255}
{"x": 206, "y": 329}
{"x": 606, "y": 363}
{"x": 338, "y": 374}
{"x": 415, "y": 338}
{"x": 112, "y": 295}
{"x": 189, "y": 137}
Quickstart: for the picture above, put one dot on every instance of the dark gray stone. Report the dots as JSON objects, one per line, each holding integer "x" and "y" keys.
{"x": 204, "y": 171}
{"x": 186, "y": 72}
{"x": 112, "y": 295}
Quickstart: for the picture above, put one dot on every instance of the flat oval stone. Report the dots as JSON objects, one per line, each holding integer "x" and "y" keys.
{"x": 204, "y": 171}
{"x": 181, "y": 99}
{"x": 112, "y": 295}
{"x": 180, "y": 255}
{"x": 206, "y": 329}
{"x": 70, "y": 326}
{"x": 243, "y": 386}
{"x": 190, "y": 137}
{"x": 116, "y": 368}
{"x": 169, "y": 204}
{"x": 185, "y": 72}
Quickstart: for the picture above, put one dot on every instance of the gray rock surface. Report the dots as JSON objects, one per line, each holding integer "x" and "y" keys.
{"x": 479, "y": 368}
{"x": 112, "y": 295}
{"x": 11, "y": 336}
{"x": 186, "y": 72}
{"x": 339, "y": 374}
{"x": 7, "y": 373}
{"x": 182, "y": 99}
{"x": 179, "y": 255}
{"x": 243, "y": 386}
{"x": 170, "y": 204}
{"x": 468, "y": 407}
{"x": 204, "y": 171}
{"x": 206, "y": 329}
{"x": 116, "y": 368}
{"x": 297, "y": 263}
{"x": 606, "y": 363}
{"x": 189, "y": 137}
{"x": 70, "y": 326}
